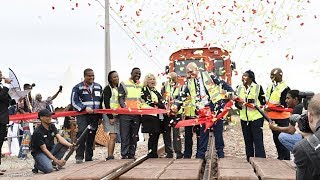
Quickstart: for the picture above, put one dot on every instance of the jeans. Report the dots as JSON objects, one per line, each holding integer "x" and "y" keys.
{"x": 253, "y": 138}
{"x": 43, "y": 163}
{"x": 289, "y": 140}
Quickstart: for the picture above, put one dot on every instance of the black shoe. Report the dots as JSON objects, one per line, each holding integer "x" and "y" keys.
{"x": 35, "y": 170}
{"x": 109, "y": 158}
{"x": 88, "y": 160}
{"x": 125, "y": 157}
{"x": 169, "y": 156}
{"x": 131, "y": 157}
{"x": 179, "y": 155}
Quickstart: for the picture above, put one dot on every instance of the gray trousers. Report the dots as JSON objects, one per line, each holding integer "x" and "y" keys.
{"x": 168, "y": 139}
{"x": 129, "y": 129}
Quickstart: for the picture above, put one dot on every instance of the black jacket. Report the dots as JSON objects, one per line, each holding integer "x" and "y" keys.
{"x": 307, "y": 159}
{"x": 152, "y": 124}
{"x": 4, "y": 105}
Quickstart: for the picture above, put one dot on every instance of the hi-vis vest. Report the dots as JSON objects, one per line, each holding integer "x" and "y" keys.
{"x": 172, "y": 96}
{"x": 211, "y": 87}
{"x": 133, "y": 93}
{"x": 273, "y": 99}
{"x": 247, "y": 113}
{"x": 154, "y": 98}
{"x": 114, "y": 100}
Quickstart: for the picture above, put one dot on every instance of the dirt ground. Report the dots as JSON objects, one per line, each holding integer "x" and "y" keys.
{"x": 234, "y": 147}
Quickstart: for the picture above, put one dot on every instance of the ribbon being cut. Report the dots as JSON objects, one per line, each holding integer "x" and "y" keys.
{"x": 205, "y": 116}
{"x": 32, "y": 116}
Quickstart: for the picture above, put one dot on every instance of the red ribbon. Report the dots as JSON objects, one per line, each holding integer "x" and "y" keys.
{"x": 272, "y": 108}
{"x": 206, "y": 117}
{"x": 129, "y": 111}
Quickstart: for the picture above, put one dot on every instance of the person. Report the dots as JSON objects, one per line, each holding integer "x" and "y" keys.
{"x": 111, "y": 101}
{"x": 130, "y": 97}
{"x": 87, "y": 96}
{"x": 288, "y": 137}
{"x": 170, "y": 91}
{"x": 204, "y": 90}
{"x": 153, "y": 123}
{"x": 4, "y": 112}
{"x": 276, "y": 96}
{"x": 251, "y": 119}
{"x": 69, "y": 124}
{"x": 38, "y": 104}
{"x": 45, "y": 153}
{"x": 307, "y": 152}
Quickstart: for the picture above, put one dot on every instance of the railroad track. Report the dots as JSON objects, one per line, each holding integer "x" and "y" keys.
{"x": 128, "y": 167}
{"x": 208, "y": 172}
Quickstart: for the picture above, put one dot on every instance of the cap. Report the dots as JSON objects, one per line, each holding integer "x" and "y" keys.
{"x": 45, "y": 112}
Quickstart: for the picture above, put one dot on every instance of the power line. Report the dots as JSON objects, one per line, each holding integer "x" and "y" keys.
{"x": 136, "y": 43}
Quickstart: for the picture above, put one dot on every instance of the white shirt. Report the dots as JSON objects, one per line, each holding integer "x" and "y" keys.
{"x": 203, "y": 94}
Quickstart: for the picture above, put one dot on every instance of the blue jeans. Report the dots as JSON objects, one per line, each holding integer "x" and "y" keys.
{"x": 289, "y": 140}
{"x": 43, "y": 163}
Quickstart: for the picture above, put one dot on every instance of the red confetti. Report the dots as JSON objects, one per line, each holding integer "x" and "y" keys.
{"x": 254, "y": 11}
{"x": 301, "y": 24}
{"x": 262, "y": 42}
{"x": 315, "y": 16}
{"x": 243, "y": 19}
{"x": 138, "y": 32}
{"x": 207, "y": 7}
{"x": 53, "y": 7}
{"x": 219, "y": 13}
{"x": 187, "y": 37}
{"x": 287, "y": 56}
{"x": 177, "y": 11}
{"x": 298, "y": 16}
{"x": 121, "y": 7}
{"x": 77, "y": 4}
{"x": 174, "y": 29}
{"x": 138, "y": 13}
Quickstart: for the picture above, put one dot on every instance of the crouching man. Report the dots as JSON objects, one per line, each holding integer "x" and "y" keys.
{"x": 46, "y": 154}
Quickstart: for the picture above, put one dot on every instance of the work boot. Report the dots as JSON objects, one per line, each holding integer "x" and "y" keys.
{"x": 179, "y": 155}
{"x": 109, "y": 158}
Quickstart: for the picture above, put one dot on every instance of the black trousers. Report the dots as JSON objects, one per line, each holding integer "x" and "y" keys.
{"x": 283, "y": 152}
{"x": 153, "y": 145}
{"x": 253, "y": 138}
{"x": 3, "y": 134}
{"x": 85, "y": 149}
{"x": 167, "y": 136}
{"x": 129, "y": 129}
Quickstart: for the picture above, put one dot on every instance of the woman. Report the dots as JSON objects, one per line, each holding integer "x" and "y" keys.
{"x": 251, "y": 120}
{"x": 111, "y": 121}
{"x": 152, "y": 123}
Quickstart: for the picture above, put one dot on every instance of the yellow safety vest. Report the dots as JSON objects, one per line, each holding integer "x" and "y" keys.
{"x": 211, "y": 87}
{"x": 247, "y": 113}
{"x": 169, "y": 96}
{"x": 114, "y": 100}
{"x": 154, "y": 98}
{"x": 133, "y": 93}
{"x": 273, "y": 99}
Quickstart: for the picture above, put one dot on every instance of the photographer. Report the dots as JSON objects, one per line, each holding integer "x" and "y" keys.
{"x": 307, "y": 152}
{"x": 288, "y": 137}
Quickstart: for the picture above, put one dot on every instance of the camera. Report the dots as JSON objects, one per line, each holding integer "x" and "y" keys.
{"x": 302, "y": 121}
{"x": 306, "y": 97}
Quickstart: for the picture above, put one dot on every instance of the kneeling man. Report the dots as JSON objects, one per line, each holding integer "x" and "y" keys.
{"x": 46, "y": 154}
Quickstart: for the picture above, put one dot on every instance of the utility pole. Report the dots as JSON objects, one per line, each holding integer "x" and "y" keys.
{"x": 107, "y": 42}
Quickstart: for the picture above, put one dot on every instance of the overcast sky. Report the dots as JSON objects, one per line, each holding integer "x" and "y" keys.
{"x": 52, "y": 47}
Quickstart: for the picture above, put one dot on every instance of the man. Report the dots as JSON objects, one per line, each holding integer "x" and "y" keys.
{"x": 87, "y": 96}
{"x": 307, "y": 152}
{"x": 276, "y": 96}
{"x": 46, "y": 154}
{"x": 288, "y": 137}
{"x": 38, "y": 104}
{"x": 204, "y": 90}
{"x": 130, "y": 97}
{"x": 4, "y": 112}
{"x": 170, "y": 91}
